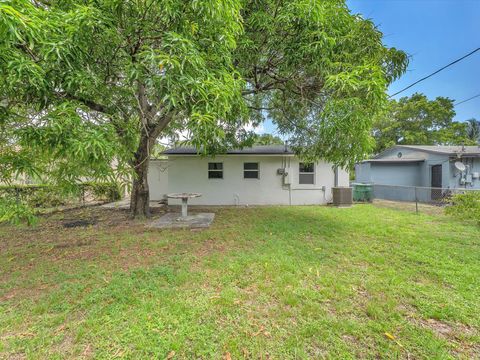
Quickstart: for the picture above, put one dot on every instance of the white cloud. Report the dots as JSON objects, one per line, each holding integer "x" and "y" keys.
{"x": 260, "y": 129}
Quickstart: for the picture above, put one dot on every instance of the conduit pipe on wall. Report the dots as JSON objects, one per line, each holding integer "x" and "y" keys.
{"x": 289, "y": 186}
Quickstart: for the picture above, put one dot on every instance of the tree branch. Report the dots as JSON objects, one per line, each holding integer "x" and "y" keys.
{"x": 92, "y": 105}
{"x": 266, "y": 87}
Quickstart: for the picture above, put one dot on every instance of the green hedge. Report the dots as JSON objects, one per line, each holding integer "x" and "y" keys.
{"x": 102, "y": 191}
{"x": 46, "y": 196}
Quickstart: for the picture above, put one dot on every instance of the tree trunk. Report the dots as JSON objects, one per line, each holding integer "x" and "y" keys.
{"x": 140, "y": 197}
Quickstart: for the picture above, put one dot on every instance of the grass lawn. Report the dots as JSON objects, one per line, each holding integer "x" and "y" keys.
{"x": 261, "y": 283}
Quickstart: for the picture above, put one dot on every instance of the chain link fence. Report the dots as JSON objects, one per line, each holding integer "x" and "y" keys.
{"x": 415, "y": 198}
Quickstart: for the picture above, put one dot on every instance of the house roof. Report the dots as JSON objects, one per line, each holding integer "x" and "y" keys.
{"x": 447, "y": 150}
{"x": 254, "y": 150}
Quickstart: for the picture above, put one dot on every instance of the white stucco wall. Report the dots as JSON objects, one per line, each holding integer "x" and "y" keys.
{"x": 190, "y": 174}
{"x": 158, "y": 179}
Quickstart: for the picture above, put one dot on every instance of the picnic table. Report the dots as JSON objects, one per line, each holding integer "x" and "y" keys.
{"x": 184, "y": 197}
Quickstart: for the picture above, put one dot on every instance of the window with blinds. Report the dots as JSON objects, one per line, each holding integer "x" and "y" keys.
{"x": 306, "y": 173}
{"x": 251, "y": 170}
{"x": 215, "y": 170}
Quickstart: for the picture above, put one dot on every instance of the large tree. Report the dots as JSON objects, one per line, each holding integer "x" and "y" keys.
{"x": 473, "y": 130}
{"x": 416, "y": 120}
{"x": 268, "y": 139}
{"x": 84, "y": 83}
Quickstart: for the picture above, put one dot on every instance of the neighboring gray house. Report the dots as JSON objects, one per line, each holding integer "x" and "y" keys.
{"x": 421, "y": 166}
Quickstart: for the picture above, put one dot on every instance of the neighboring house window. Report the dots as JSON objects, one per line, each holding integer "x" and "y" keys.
{"x": 251, "y": 170}
{"x": 306, "y": 173}
{"x": 215, "y": 170}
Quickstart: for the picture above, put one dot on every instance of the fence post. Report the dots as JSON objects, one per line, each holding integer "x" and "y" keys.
{"x": 416, "y": 201}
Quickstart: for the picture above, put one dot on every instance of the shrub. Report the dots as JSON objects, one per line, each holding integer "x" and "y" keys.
{"x": 16, "y": 212}
{"x": 465, "y": 206}
{"x": 47, "y": 197}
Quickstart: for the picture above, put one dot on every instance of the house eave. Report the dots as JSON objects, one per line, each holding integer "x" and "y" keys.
{"x": 393, "y": 161}
{"x": 433, "y": 151}
{"x": 234, "y": 154}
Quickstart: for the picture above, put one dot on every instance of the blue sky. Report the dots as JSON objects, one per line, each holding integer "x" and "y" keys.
{"x": 433, "y": 33}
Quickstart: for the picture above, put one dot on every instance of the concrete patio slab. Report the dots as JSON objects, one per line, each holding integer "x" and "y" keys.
{"x": 176, "y": 221}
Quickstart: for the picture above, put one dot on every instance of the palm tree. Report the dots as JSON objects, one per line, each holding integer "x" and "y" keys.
{"x": 473, "y": 129}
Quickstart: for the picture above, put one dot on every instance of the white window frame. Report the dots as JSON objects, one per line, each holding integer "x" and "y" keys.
{"x": 216, "y": 170}
{"x": 251, "y": 170}
{"x": 306, "y": 173}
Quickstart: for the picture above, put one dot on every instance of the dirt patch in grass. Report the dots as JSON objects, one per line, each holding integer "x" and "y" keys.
{"x": 409, "y": 206}
{"x": 73, "y": 244}
{"x": 17, "y": 356}
{"x": 115, "y": 241}
{"x": 461, "y": 336}
{"x": 448, "y": 330}
{"x": 79, "y": 223}
{"x": 51, "y": 229}
{"x": 440, "y": 328}
{"x": 65, "y": 346}
{"x": 27, "y": 248}
{"x": 210, "y": 246}
{"x": 26, "y": 293}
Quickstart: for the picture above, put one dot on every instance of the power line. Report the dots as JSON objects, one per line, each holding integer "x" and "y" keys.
{"x": 436, "y": 72}
{"x": 464, "y": 101}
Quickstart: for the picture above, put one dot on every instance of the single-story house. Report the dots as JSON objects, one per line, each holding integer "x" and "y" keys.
{"x": 422, "y": 166}
{"x": 259, "y": 175}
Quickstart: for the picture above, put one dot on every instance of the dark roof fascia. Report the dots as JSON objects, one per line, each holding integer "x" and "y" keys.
{"x": 232, "y": 154}
{"x": 393, "y": 161}
{"x": 193, "y": 152}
